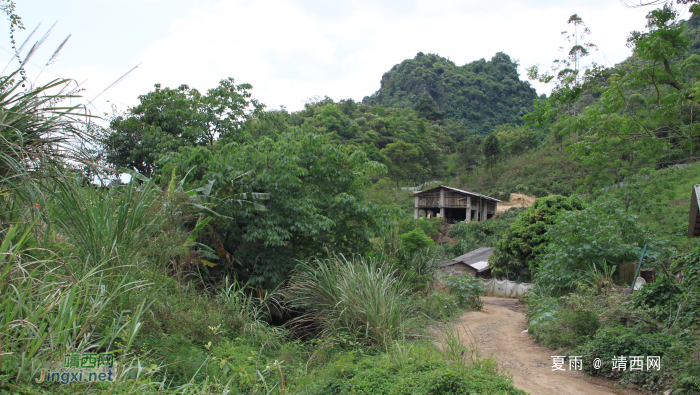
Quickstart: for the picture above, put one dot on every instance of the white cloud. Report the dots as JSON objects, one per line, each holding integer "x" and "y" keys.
{"x": 290, "y": 50}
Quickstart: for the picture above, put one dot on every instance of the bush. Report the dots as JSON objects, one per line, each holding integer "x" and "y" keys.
{"x": 415, "y": 240}
{"x": 619, "y": 340}
{"x": 481, "y": 234}
{"x": 565, "y": 322}
{"x": 468, "y": 290}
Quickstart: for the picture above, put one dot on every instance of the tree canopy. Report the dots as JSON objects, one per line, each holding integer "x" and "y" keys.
{"x": 479, "y": 95}
{"x": 167, "y": 119}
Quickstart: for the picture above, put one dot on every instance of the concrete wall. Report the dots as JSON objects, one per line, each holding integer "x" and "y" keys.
{"x": 458, "y": 269}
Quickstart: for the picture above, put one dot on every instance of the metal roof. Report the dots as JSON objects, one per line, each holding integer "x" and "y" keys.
{"x": 474, "y": 259}
{"x": 457, "y": 190}
{"x": 480, "y": 266}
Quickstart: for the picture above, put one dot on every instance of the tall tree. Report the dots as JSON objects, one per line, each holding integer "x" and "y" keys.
{"x": 428, "y": 109}
{"x": 491, "y": 149}
{"x": 403, "y": 162}
{"x": 316, "y": 202}
{"x": 167, "y": 119}
{"x": 569, "y": 71}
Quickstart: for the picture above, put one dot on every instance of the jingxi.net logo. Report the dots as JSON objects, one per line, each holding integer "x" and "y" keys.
{"x": 81, "y": 368}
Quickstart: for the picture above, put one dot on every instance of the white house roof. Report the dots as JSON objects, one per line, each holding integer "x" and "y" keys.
{"x": 457, "y": 190}
{"x": 478, "y": 259}
{"x": 480, "y": 266}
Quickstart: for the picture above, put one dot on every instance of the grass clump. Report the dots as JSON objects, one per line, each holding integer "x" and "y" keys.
{"x": 360, "y": 297}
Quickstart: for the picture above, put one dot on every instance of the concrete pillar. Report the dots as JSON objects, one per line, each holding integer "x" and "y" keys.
{"x": 485, "y": 211}
{"x": 415, "y": 212}
{"x": 469, "y": 209}
{"x": 480, "y": 209}
{"x": 442, "y": 203}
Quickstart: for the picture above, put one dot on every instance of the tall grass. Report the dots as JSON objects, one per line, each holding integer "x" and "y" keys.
{"x": 107, "y": 223}
{"x": 37, "y": 136}
{"x": 361, "y": 297}
{"x": 50, "y": 307}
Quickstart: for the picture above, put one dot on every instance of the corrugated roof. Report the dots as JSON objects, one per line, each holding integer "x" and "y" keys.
{"x": 479, "y": 255}
{"x": 456, "y": 190}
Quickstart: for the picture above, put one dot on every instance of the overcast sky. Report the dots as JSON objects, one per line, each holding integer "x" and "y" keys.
{"x": 291, "y": 50}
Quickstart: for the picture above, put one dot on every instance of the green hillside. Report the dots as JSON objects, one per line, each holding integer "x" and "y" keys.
{"x": 481, "y": 94}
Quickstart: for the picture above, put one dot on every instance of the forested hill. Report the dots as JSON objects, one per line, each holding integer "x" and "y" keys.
{"x": 481, "y": 94}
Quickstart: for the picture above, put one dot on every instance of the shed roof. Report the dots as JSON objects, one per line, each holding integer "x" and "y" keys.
{"x": 480, "y": 266}
{"x": 456, "y": 190}
{"x": 475, "y": 259}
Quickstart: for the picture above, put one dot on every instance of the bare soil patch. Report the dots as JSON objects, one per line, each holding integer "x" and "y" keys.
{"x": 516, "y": 200}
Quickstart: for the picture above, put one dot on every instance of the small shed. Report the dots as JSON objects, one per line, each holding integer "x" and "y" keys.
{"x": 475, "y": 263}
{"x": 694, "y": 224}
{"x": 454, "y": 204}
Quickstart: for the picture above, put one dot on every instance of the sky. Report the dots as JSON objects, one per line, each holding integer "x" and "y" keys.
{"x": 293, "y": 50}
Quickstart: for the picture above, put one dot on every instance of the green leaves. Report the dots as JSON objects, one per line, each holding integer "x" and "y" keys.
{"x": 167, "y": 119}
{"x": 527, "y": 239}
{"x": 415, "y": 240}
{"x": 467, "y": 288}
{"x": 315, "y": 200}
{"x": 479, "y": 95}
{"x": 583, "y": 238}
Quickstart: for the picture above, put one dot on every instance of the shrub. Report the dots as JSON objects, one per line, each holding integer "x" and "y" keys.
{"x": 418, "y": 268}
{"x": 468, "y": 290}
{"x": 565, "y": 322}
{"x": 603, "y": 231}
{"x": 618, "y": 340}
{"x": 415, "y": 240}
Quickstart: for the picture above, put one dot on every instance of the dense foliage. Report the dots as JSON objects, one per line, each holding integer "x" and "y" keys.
{"x": 167, "y": 119}
{"x": 480, "y": 95}
{"x": 526, "y": 241}
{"x": 316, "y": 202}
{"x": 600, "y": 233}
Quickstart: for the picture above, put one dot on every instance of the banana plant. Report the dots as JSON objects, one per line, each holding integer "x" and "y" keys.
{"x": 204, "y": 203}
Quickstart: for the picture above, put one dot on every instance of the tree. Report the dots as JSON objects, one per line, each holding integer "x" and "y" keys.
{"x": 428, "y": 109}
{"x": 316, "y": 202}
{"x": 571, "y": 76}
{"x": 646, "y": 111}
{"x": 491, "y": 150}
{"x": 403, "y": 161}
{"x": 167, "y": 119}
{"x": 415, "y": 240}
{"x": 478, "y": 95}
{"x": 516, "y": 140}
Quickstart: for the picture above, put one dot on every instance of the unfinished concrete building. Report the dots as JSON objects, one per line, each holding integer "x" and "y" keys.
{"x": 454, "y": 204}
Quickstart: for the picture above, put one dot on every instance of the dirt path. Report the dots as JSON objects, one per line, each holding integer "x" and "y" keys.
{"x": 497, "y": 329}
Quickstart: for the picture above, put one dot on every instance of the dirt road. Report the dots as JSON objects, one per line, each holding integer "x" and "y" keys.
{"x": 497, "y": 329}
